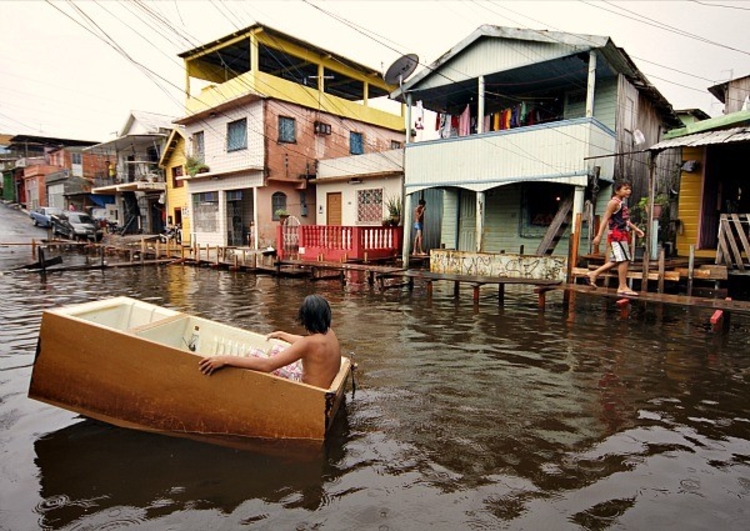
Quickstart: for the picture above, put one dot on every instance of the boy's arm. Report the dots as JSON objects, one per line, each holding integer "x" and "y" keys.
{"x": 611, "y": 206}
{"x": 289, "y": 355}
{"x": 284, "y": 336}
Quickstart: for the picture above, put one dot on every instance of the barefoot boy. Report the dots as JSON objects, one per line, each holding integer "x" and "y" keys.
{"x": 617, "y": 220}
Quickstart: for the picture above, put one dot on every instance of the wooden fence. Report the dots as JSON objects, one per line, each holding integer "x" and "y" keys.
{"x": 734, "y": 241}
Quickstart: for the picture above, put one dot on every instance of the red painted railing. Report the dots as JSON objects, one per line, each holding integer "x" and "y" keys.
{"x": 338, "y": 243}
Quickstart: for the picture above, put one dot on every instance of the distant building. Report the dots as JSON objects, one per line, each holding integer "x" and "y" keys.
{"x": 131, "y": 174}
{"x": 734, "y": 94}
{"x": 36, "y": 157}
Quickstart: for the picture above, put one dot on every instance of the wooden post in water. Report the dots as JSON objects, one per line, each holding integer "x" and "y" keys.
{"x": 644, "y": 276}
{"x": 662, "y": 265}
{"x": 143, "y": 250}
{"x": 33, "y": 248}
{"x": 691, "y": 268}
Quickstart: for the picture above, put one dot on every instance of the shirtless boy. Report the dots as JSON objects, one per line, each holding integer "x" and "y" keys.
{"x": 319, "y": 350}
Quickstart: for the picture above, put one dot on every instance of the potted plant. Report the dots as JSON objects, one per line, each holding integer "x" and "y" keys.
{"x": 393, "y": 206}
{"x": 195, "y": 166}
{"x": 660, "y": 201}
{"x": 282, "y": 214}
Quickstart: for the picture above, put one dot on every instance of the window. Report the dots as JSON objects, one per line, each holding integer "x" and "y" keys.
{"x": 206, "y": 212}
{"x": 278, "y": 202}
{"x": 76, "y": 158}
{"x": 356, "y": 146}
{"x": 370, "y": 206}
{"x": 177, "y": 172}
{"x": 199, "y": 147}
{"x": 395, "y": 144}
{"x": 237, "y": 135}
{"x": 540, "y": 202}
{"x": 287, "y": 130}
{"x": 234, "y": 195}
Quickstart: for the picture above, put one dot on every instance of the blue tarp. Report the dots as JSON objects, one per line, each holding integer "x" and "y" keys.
{"x": 102, "y": 200}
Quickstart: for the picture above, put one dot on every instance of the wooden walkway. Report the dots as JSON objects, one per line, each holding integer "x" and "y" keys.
{"x": 476, "y": 282}
{"x": 726, "y": 305}
{"x": 322, "y": 270}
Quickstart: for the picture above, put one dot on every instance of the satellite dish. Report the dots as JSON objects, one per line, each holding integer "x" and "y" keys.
{"x": 402, "y": 68}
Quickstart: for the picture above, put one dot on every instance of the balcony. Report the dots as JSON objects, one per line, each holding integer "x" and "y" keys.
{"x": 554, "y": 151}
{"x": 252, "y": 86}
{"x": 334, "y": 243}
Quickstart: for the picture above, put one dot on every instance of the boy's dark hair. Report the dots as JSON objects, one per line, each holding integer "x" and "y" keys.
{"x": 422, "y": 202}
{"x": 315, "y": 314}
{"x": 622, "y": 184}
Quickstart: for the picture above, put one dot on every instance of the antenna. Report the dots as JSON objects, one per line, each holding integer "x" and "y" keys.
{"x": 401, "y": 68}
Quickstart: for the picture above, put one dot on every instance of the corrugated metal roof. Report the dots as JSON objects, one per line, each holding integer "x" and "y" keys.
{"x": 709, "y": 138}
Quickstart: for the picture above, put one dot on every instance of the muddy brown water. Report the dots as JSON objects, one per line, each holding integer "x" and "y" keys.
{"x": 465, "y": 416}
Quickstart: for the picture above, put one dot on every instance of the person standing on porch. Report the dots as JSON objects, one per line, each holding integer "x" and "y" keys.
{"x": 419, "y": 227}
{"x": 617, "y": 220}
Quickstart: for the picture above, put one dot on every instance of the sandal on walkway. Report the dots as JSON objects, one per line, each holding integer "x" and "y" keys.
{"x": 627, "y": 293}
{"x": 590, "y": 281}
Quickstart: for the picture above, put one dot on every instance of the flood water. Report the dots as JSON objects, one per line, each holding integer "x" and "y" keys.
{"x": 466, "y": 416}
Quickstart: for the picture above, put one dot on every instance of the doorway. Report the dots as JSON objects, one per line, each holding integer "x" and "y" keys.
{"x": 333, "y": 208}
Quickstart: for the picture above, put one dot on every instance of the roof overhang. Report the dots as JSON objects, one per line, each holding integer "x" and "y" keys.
{"x": 125, "y": 142}
{"x": 211, "y": 112}
{"x": 356, "y": 179}
{"x": 172, "y": 142}
{"x": 734, "y": 119}
{"x": 136, "y": 186}
{"x": 708, "y": 138}
{"x": 570, "y": 68}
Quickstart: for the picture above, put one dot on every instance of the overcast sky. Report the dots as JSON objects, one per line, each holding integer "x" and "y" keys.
{"x": 76, "y": 68}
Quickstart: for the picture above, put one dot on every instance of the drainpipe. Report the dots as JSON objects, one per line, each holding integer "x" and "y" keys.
{"x": 591, "y": 85}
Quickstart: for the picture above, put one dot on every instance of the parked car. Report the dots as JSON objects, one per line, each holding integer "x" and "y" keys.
{"x": 76, "y": 226}
{"x": 42, "y": 216}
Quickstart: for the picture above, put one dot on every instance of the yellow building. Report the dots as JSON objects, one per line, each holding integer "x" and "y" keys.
{"x": 713, "y": 201}
{"x": 173, "y": 161}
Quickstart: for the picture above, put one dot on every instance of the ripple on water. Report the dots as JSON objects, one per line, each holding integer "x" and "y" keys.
{"x": 465, "y": 416}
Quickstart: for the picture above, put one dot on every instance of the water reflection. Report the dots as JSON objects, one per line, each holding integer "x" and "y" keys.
{"x": 82, "y": 480}
{"x": 466, "y": 416}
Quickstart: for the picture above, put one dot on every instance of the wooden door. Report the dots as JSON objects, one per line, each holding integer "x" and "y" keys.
{"x": 467, "y": 221}
{"x": 333, "y": 208}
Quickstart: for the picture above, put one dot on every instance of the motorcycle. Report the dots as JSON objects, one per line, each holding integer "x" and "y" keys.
{"x": 171, "y": 233}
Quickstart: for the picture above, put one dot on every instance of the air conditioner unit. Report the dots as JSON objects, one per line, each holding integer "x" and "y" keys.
{"x": 322, "y": 128}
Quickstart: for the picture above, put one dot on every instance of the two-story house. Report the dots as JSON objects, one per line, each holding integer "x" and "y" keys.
{"x": 131, "y": 173}
{"x": 529, "y": 122}
{"x": 71, "y": 184}
{"x": 263, "y": 109}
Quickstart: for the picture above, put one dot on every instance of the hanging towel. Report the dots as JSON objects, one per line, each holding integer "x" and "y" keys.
{"x": 464, "y": 122}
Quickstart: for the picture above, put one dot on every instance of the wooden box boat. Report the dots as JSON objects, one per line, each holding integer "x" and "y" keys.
{"x": 127, "y": 362}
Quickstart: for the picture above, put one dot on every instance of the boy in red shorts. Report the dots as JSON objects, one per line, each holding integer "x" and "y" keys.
{"x": 617, "y": 220}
